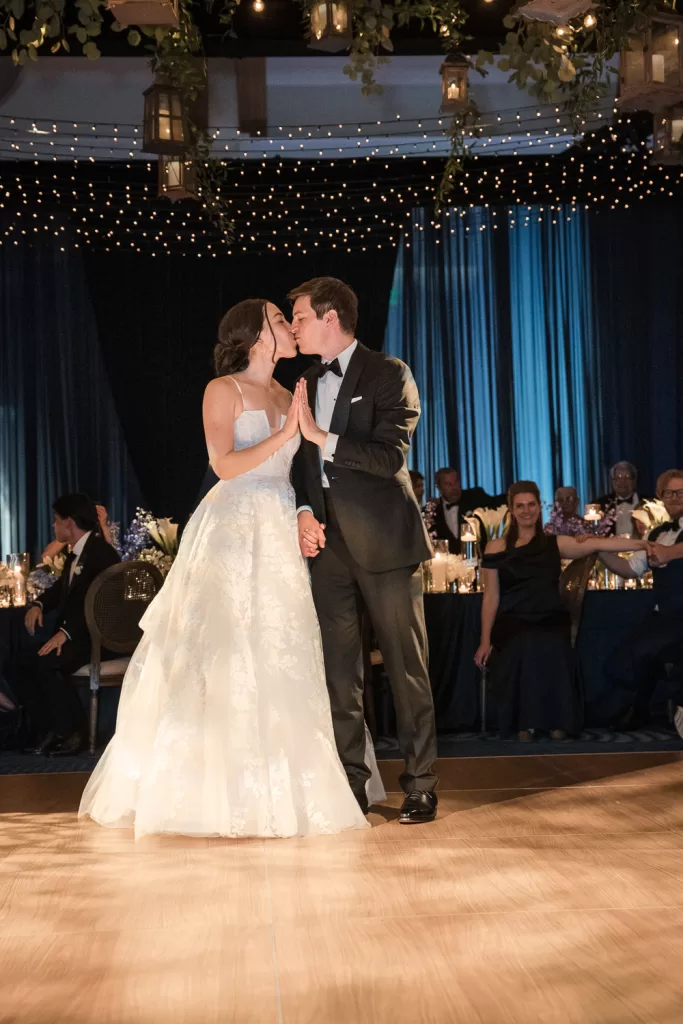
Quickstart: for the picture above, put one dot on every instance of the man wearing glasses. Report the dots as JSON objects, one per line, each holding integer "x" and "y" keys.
{"x": 639, "y": 664}
{"x": 623, "y": 499}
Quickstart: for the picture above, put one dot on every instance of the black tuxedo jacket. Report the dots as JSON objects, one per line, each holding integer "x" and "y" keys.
{"x": 375, "y": 414}
{"x": 472, "y": 497}
{"x": 68, "y": 599}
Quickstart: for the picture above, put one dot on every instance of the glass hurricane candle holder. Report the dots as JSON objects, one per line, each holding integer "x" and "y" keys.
{"x": 435, "y": 571}
{"x": 468, "y": 544}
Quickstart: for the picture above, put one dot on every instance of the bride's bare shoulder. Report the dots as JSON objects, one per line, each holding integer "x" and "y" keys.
{"x": 221, "y": 392}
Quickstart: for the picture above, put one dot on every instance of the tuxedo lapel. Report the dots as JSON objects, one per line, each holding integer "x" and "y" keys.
{"x": 342, "y": 407}
{"x": 312, "y": 388}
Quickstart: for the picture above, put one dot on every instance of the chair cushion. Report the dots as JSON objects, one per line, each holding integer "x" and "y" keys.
{"x": 114, "y": 667}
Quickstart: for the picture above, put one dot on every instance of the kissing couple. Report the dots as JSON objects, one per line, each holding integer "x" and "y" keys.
{"x": 241, "y": 712}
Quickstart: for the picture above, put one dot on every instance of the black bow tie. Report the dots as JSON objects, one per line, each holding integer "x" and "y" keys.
{"x": 332, "y": 367}
{"x": 667, "y": 527}
{"x": 624, "y": 501}
{"x": 450, "y": 504}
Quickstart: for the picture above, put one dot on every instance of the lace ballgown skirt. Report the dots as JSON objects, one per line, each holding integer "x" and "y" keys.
{"x": 224, "y": 724}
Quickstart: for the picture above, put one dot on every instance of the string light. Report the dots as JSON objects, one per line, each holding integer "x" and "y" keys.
{"x": 286, "y": 204}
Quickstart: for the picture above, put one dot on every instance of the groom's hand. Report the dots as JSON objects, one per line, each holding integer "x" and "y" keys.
{"x": 311, "y": 534}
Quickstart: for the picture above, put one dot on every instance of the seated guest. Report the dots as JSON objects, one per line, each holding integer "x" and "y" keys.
{"x": 623, "y": 499}
{"x": 447, "y": 513}
{"x": 418, "y": 482}
{"x": 639, "y": 663}
{"x": 565, "y": 519}
{"x": 55, "y": 547}
{"x": 40, "y": 679}
{"x": 524, "y": 620}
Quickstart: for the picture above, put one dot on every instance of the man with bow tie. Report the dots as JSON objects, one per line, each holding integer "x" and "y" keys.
{"x": 360, "y": 527}
{"x": 455, "y": 504}
{"x": 40, "y": 679}
{"x": 639, "y": 664}
{"x": 623, "y": 499}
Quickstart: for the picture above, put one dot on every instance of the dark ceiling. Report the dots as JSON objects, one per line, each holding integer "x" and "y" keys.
{"x": 280, "y": 31}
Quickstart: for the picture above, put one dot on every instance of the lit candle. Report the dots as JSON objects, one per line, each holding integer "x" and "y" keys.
{"x": 592, "y": 513}
{"x": 19, "y": 597}
{"x": 438, "y": 567}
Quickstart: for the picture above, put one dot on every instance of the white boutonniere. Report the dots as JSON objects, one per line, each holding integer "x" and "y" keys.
{"x": 78, "y": 569}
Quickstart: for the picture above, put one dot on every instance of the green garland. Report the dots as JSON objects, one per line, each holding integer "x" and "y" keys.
{"x": 571, "y": 66}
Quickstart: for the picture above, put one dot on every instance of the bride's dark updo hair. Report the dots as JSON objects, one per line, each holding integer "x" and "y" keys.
{"x": 238, "y": 332}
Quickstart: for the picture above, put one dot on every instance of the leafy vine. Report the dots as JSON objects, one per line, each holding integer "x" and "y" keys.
{"x": 568, "y": 64}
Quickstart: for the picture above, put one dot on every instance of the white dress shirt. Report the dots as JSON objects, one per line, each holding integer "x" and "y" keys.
{"x": 77, "y": 551}
{"x": 623, "y": 523}
{"x": 638, "y": 561}
{"x": 325, "y": 401}
{"x": 452, "y": 517}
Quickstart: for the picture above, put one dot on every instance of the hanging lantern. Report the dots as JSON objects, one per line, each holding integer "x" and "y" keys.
{"x": 454, "y": 84}
{"x": 652, "y": 69}
{"x": 668, "y": 137}
{"x": 330, "y": 27}
{"x": 177, "y": 179}
{"x": 165, "y": 126}
{"x": 145, "y": 12}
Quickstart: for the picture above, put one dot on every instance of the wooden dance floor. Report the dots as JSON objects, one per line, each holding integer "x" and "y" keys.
{"x": 550, "y": 889}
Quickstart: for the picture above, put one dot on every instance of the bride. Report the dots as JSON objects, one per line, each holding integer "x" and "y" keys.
{"x": 224, "y": 724}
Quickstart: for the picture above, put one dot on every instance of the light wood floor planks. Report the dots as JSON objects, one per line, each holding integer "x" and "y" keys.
{"x": 550, "y": 889}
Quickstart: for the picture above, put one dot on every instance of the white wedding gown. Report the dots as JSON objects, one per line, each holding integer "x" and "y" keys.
{"x": 224, "y": 724}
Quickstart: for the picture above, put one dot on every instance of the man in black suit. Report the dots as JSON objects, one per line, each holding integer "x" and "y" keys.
{"x": 454, "y": 504}
{"x": 638, "y": 664}
{"x": 41, "y": 679}
{"x": 360, "y": 525}
{"x": 623, "y": 499}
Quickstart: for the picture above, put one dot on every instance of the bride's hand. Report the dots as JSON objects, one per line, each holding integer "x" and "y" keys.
{"x": 290, "y": 427}
{"x": 307, "y": 425}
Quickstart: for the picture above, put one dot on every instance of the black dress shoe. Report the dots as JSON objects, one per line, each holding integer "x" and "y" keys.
{"x": 418, "y": 807}
{"x": 48, "y": 743}
{"x": 72, "y": 745}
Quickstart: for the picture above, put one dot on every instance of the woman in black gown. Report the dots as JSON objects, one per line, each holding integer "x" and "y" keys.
{"x": 524, "y": 621}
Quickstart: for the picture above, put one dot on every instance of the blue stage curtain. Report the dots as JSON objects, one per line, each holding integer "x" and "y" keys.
{"x": 59, "y": 431}
{"x": 493, "y": 312}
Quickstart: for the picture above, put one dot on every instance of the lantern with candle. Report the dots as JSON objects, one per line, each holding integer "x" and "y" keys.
{"x": 652, "y": 68}
{"x": 454, "y": 89}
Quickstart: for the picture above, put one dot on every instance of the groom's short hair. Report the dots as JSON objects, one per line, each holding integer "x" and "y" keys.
{"x": 328, "y": 293}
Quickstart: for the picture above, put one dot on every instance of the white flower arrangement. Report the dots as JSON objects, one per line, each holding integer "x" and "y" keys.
{"x": 54, "y": 566}
{"x": 458, "y": 568}
{"x": 652, "y": 514}
{"x": 164, "y": 533}
{"x": 6, "y": 574}
{"x": 496, "y": 521}
{"x": 156, "y": 557}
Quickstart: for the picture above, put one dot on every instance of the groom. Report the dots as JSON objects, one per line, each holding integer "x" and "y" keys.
{"x": 360, "y": 525}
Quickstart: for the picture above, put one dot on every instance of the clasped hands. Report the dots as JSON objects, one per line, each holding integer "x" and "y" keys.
{"x": 301, "y": 418}
{"x": 658, "y": 555}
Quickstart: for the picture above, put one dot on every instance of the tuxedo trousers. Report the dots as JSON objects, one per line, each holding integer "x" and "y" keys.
{"x": 342, "y": 590}
{"x": 638, "y": 665}
{"x": 43, "y": 687}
